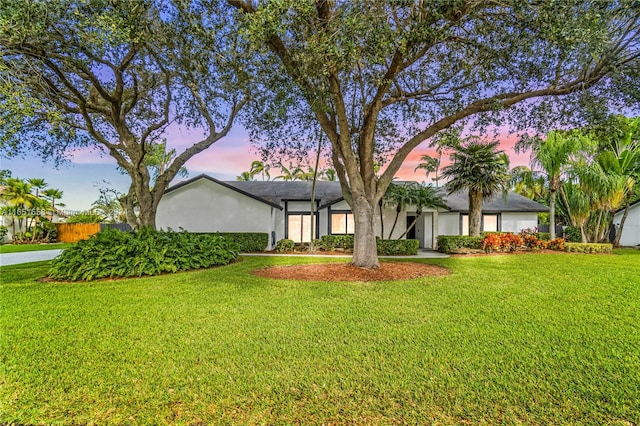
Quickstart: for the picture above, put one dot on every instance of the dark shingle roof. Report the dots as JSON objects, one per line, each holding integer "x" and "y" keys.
{"x": 459, "y": 202}
{"x": 276, "y": 191}
{"x": 327, "y": 193}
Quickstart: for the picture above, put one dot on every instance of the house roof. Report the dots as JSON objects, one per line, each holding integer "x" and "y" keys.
{"x": 459, "y": 202}
{"x": 278, "y": 191}
{"x": 328, "y": 193}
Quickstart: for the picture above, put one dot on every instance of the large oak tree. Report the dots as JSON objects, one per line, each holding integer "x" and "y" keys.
{"x": 381, "y": 77}
{"x": 113, "y": 76}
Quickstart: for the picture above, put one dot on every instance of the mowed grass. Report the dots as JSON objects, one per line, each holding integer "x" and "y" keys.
{"x": 527, "y": 339}
{"x": 20, "y": 248}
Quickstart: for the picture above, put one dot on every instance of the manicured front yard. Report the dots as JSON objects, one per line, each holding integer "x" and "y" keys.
{"x": 19, "y": 248}
{"x": 533, "y": 339}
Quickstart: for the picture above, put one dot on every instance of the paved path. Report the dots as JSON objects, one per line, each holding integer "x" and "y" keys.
{"x": 27, "y": 256}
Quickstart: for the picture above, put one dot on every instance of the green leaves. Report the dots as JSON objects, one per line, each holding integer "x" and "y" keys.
{"x": 113, "y": 253}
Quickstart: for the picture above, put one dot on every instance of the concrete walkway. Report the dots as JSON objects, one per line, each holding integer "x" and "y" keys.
{"x": 7, "y": 259}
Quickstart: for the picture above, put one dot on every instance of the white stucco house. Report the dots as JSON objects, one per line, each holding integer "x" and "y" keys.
{"x": 631, "y": 230}
{"x": 281, "y": 209}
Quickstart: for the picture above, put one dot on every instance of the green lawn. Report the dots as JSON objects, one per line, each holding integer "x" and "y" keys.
{"x": 529, "y": 339}
{"x": 19, "y": 248}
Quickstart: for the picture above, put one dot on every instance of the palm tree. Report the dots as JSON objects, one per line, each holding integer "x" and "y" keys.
{"x": 259, "y": 167}
{"x": 551, "y": 157}
{"x": 52, "y": 194}
{"x": 479, "y": 168}
{"x": 38, "y": 184}
{"x": 329, "y": 175}
{"x": 423, "y": 196}
{"x": 429, "y": 164}
{"x": 528, "y": 183}
{"x": 245, "y": 177}
{"x": 399, "y": 195}
{"x": 17, "y": 194}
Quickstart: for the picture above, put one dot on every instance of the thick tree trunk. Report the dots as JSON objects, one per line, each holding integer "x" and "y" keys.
{"x": 475, "y": 213}
{"x": 365, "y": 254}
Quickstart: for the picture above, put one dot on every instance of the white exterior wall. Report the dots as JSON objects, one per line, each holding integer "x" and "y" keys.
{"x": 631, "y": 230}
{"x": 516, "y": 222}
{"x": 205, "y": 206}
{"x": 449, "y": 223}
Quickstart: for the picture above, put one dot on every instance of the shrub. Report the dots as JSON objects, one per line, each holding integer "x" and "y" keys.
{"x": 449, "y": 243}
{"x": 572, "y": 234}
{"x": 113, "y": 253}
{"x": 556, "y": 244}
{"x": 543, "y": 236}
{"x": 3, "y": 233}
{"x": 248, "y": 241}
{"x": 85, "y": 217}
{"x": 332, "y": 242}
{"x": 397, "y": 247}
{"x": 285, "y": 245}
{"x": 502, "y": 242}
{"x": 592, "y": 248}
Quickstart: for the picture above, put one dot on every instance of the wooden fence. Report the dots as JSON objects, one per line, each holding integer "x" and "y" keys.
{"x": 73, "y": 232}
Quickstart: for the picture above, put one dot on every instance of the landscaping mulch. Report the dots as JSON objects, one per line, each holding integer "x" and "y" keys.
{"x": 388, "y": 271}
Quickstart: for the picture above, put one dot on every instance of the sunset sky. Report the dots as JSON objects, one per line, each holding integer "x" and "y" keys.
{"x": 88, "y": 170}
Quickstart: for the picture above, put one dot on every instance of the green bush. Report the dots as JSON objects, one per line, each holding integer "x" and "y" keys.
{"x": 285, "y": 245}
{"x": 572, "y": 234}
{"x": 592, "y": 248}
{"x": 248, "y": 241}
{"x": 543, "y": 236}
{"x": 332, "y": 242}
{"x": 450, "y": 243}
{"x": 397, "y": 247}
{"x": 3, "y": 233}
{"x": 85, "y": 217}
{"x": 113, "y": 253}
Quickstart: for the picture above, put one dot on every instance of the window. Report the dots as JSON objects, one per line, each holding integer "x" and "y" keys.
{"x": 465, "y": 225}
{"x": 342, "y": 223}
{"x": 490, "y": 223}
{"x": 299, "y": 228}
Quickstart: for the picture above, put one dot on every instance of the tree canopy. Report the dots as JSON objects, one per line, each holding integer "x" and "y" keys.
{"x": 115, "y": 75}
{"x": 382, "y": 77}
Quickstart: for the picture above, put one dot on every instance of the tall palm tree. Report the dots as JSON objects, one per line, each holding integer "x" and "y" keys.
{"x": 52, "y": 194}
{"x": 551, "y": 157}
{"x": 429, "y": 164}
{"x": 529, "y": 183}
{"x": 17, "y": 194}
{"x": 38, "y": 184}
{"x": 479, "y": 168}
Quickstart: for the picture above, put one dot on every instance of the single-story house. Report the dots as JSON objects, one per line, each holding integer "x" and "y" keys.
{"x": 282, "y": 209}
{"x": 631, "y": 230}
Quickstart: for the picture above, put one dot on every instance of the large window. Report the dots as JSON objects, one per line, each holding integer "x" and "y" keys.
{"x": 299, "y": 227}
{"x": 342, "y": 223}
{"x": 490, "y": 223}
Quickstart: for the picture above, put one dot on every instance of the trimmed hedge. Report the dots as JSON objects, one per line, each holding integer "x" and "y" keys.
{"x": 592, "y": 248}
{"x": 332, "y": 242}
{"x": 449, "y": 243}
{"x": 112, "y": 253}
{"x": 397, "y": 247}
{"x": 248, "y": 241}
{"x": 285, "y": 245}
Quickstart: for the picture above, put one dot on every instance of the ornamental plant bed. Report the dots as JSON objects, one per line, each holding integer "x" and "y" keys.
{"x": 388, "y": 271}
